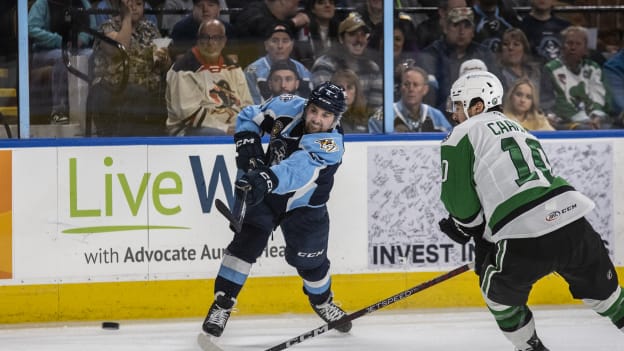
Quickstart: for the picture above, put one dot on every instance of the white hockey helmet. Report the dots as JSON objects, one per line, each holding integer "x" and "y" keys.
{"x": 476, "y": 84}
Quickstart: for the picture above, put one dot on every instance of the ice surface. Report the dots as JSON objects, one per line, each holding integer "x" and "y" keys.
{"x": 571, "y": 329}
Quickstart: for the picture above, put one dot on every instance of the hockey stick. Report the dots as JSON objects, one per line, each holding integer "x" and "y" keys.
{"x": 372, "y": 308}
{"x": 236, "y": 216}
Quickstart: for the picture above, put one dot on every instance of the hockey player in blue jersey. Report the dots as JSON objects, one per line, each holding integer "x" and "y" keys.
{"x": 289, "y": 187}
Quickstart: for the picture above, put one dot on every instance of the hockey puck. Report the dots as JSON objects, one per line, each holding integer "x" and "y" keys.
{"x": 110, "y": 325}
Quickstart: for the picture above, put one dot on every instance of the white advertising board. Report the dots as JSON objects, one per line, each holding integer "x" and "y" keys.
{"x": 144, "y": 212}
{"x": 404, "y": 206}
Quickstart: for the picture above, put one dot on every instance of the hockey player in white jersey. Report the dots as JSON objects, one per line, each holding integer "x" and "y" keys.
{"x": 499, "y": 189}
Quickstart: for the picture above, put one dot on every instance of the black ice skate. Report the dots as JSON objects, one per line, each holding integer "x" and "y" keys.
{"x": 534, "y": 344}
{"x": 218, "y": 314}
{"x": 330, "y": 312}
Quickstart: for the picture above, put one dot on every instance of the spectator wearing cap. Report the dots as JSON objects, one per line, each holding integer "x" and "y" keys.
{"x": 283, "y": 78}
{"x": 184, "y": 32}
{"x": 260, "y": 17}
{"x": 444, "y": 56}
{"x": 278, "y": 45}
{"x": 432, "y": 29}
{"x": 205, "y": 89}
{"x": 353, "y": 54}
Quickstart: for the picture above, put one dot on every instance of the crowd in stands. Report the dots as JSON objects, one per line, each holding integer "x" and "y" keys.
{"x": 220, "y": 61}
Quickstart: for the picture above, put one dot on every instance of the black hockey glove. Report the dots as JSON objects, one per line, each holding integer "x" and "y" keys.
{"x": 448, "y": 227}
{"x": 249, "y": 151}
{"x": 258, "y": 183}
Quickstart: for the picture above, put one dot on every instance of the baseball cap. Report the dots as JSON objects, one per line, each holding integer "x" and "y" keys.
{"x": 279, "y": 28}
{"x": 352, "y": 23}
{"x": 459, "y": 14}
{"x": 284, "y": 65}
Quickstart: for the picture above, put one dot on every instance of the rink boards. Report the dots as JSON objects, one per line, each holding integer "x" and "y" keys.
{"x": 125, "y": 228}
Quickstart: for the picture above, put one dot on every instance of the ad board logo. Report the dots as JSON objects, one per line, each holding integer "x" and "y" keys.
{"x": 6, "y": 221}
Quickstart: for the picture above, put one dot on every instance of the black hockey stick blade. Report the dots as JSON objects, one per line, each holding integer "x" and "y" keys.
{"x": 235, "y": 222}
{"x": 372, "y": 308}
{"x": 236, "y": 216}
{"x": 204, "y": 341}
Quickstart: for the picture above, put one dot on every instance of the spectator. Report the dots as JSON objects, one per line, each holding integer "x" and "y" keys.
{"x": 355, "y": 119}
{"x": 260, "y": 17}
{"x": 45, "y": 31}
{"x": 492, "y": 18}
{"x": 205, "y": 91}
{"x": 283, "y": 78}
{"x": 320, "y": 34}
{"x": 184, "y": 32}
{"x": 614, "y": 76}
{"x": 114, "y": 4}
{"x": 516, "y": 60}
{"x": 352, "y": 54}
{"x": 139, "y": 109}
{"x": 432, "y": 28}
{"x": 543, "y": 29}
{"x": 410, "y": 113}
{"x": 278, "y": 44}
{"x": 573, "y": 86}
{"x": 443, "y": 58}
{"x": 404, "y": 50}
{"x": 404, "y": 46}
{"x": 371, "y": 12}
{"x": 522, "y": 105}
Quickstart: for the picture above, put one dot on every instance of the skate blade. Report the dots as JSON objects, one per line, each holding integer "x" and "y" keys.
{"x": 206, "y": 344}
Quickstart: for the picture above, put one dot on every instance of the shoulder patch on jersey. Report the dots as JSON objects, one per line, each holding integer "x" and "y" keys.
{"x": 328, "y": 144}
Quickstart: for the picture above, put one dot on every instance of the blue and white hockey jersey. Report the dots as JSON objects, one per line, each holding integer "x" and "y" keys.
{"x": 304, "y": 164}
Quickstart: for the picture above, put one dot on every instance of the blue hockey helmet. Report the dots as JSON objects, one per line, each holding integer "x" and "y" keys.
{"x": 330, "y": 97}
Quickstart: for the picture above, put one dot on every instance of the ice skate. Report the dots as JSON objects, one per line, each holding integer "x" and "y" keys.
{"x": 534, "y": 344}
{"x": 330, "y": 312}
{"x": 218, "y": 314}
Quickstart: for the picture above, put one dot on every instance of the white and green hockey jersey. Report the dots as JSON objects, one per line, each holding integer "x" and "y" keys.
{"x": 494, "y": 170}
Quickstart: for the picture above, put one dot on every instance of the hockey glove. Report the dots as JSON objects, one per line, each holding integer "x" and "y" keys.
{"x": 448, "y": 227}
{"x": 249, "y": 151}
{"x": 258, "y": 183}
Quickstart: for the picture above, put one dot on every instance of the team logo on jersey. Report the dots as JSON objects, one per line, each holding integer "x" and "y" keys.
{"x": 328, "y": 145}
{"x": 277, "y": 127}
{"x": 562, "y": 78}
